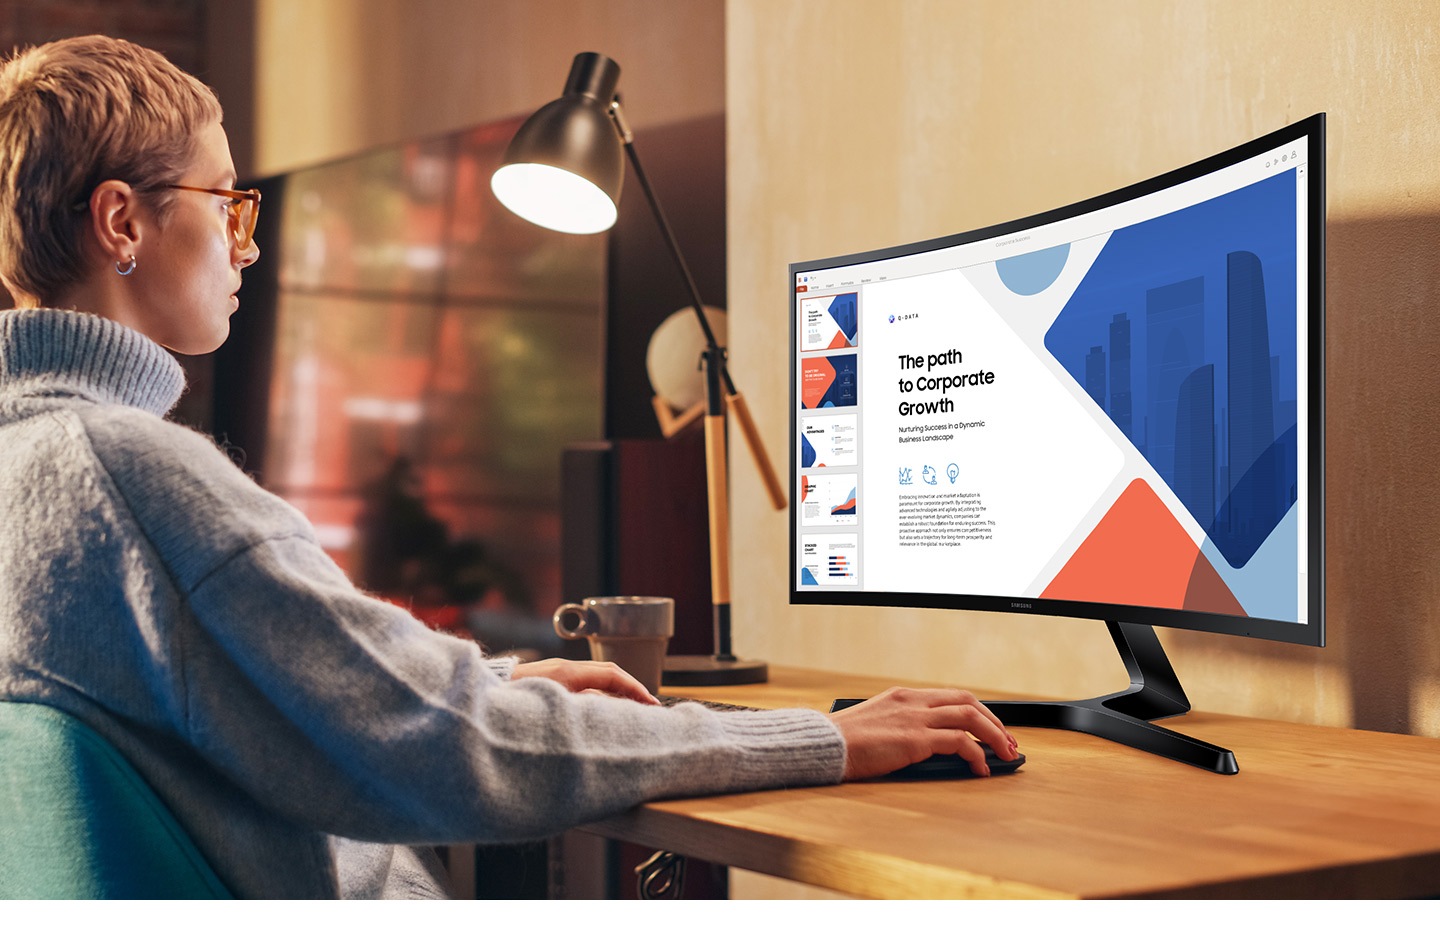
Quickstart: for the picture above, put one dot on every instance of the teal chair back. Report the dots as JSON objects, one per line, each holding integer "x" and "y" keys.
{"x": 77, "y": 821}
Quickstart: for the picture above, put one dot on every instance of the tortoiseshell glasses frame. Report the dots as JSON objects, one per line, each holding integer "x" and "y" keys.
{"x": 244, "y": 209}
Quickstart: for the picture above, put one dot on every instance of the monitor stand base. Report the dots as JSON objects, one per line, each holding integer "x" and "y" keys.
{"x": 713, "y": 670}
{"x": 723, "y": 668}
{"x": 1125, "y": 717}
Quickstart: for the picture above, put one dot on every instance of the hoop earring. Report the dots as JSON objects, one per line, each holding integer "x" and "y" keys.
{"x": 127, "y": 270}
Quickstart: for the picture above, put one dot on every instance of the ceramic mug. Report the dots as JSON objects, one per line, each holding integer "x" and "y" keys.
{"x": 631, "y": 632}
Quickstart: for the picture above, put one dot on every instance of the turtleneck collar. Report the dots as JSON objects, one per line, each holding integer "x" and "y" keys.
{"x": 83, "y": 354}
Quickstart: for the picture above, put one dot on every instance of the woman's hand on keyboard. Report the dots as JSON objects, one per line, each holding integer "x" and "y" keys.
{"x": 900, "y": 727}
{"x": 586, "y": 676}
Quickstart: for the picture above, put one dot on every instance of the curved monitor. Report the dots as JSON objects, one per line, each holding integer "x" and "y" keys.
{"x": 1113, "y": 410}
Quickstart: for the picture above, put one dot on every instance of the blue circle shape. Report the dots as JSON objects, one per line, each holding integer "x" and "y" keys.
{"x": 1033, "y": 272}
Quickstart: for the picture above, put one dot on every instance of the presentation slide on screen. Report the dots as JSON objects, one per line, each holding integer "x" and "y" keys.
{"x": 1113, "y": 417}
{"x": 829, "y": 500}
{"x": 828, "y": 381}
{"x": 946, "y": 378}
{"x": 829, "y": 560}
{"x": 827, "y": 440}
{"x": 829, "y": 322}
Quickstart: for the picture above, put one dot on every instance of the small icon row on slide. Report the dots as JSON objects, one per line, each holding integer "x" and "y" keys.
{"x": 928, "y": 474}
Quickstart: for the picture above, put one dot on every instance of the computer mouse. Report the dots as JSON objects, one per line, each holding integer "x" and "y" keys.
{"x": 953, "y": 766}
{"x": 943, "y": 766}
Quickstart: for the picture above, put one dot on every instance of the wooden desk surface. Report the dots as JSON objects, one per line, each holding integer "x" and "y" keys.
{"x": 1314, "y": 812}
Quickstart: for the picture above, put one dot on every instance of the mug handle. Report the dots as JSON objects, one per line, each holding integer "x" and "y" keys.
{"x": 585, "y": 615}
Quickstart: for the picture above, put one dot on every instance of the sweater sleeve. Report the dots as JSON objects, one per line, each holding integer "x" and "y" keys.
{"x": 344, "y": 712}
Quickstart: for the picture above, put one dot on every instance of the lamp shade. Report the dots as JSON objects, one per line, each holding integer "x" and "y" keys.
{"x": 564, "y": 168}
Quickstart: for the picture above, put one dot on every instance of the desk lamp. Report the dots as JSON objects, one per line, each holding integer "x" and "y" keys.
{"x": 563, "y": 171}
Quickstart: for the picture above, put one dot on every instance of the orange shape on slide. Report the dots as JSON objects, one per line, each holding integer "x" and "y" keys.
{"x": 816, "y": 377}
{"x": 1140, "y": 555}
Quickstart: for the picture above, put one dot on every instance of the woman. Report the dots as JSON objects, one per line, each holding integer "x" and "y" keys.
{"x": 302, "y": 731}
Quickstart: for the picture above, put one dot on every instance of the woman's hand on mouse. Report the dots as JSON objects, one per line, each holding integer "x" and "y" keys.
{"x": 900, "y": 727}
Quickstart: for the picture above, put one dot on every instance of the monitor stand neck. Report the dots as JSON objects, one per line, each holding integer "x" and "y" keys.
{"x": 1125, "y": 717}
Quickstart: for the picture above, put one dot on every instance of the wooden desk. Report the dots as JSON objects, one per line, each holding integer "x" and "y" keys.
{"x": 1314, "y": 812}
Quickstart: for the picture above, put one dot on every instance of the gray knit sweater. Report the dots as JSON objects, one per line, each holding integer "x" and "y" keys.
{"x": 150, "y": 588}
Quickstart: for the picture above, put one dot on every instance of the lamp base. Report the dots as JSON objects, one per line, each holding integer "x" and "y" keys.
{"x": 708, "y": 670}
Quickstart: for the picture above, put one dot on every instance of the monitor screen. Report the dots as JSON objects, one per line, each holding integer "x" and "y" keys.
{"x": 1112, "y": 410}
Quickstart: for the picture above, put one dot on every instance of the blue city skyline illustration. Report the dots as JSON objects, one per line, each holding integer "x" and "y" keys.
{"x": 1183, "y": 331}
{"x": 841, "y": 392}
{"x": 845, "y": 311}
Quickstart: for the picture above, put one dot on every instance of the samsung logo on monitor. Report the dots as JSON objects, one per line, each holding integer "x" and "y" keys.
{"x": 1022, "y": 605}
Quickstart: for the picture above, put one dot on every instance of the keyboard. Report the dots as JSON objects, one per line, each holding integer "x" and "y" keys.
{"x": 669, "y": 700}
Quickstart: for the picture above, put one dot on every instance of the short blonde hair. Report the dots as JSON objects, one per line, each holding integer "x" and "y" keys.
{"x": 74, "y": 113}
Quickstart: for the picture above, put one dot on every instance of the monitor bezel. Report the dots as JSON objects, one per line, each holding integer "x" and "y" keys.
{"x": 1310, "y": 633}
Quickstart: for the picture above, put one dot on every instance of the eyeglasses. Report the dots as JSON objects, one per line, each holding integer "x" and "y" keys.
{"x": 244, "y": 209}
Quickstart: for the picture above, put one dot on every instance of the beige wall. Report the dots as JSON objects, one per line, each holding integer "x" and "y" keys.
{"x": 855, "y": 124}
{"x": 333, "y": 77}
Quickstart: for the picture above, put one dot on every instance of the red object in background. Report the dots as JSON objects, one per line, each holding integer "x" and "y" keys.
{"x": 442, "y": 618}
{"x": 446, "y": 619}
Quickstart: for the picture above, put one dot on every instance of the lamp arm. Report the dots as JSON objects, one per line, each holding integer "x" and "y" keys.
{"x": 670, "y": 241}
{"x": 715, "y": 354}
{"x": 757, "y": 450}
